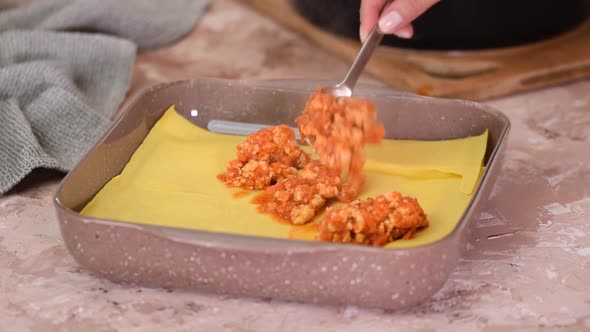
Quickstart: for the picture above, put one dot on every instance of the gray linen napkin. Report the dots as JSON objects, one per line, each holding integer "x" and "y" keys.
{"x": 59, "y": 88}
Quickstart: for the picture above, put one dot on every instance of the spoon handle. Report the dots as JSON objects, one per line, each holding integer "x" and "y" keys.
{"x": 364, "y": 55}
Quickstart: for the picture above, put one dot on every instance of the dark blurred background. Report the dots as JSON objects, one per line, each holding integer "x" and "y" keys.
{"x": 461, "y": 24}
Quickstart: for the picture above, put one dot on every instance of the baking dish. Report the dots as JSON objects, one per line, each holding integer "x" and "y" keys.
{"x": 314, "y": 272}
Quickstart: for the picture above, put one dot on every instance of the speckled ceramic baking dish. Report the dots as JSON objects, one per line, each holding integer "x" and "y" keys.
{"x": 315, "y": 272}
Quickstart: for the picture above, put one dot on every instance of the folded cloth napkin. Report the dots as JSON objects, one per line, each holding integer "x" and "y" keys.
{"x": 65, "y": 67}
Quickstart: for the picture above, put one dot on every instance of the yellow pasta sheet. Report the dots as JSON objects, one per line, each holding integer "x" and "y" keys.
{"x": 171, "y": 181}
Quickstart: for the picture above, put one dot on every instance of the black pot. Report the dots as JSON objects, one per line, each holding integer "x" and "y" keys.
{"x": 460, "y": 24}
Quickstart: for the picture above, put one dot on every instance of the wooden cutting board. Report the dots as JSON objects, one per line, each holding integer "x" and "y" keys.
{"x": 473, "y": 75}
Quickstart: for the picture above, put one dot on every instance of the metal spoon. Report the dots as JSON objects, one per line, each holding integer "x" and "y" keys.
{"x": 344, "y": 88}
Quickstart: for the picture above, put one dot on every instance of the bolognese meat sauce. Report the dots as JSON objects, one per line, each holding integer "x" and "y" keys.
{"x": 264, "y": 158}
{"x": 373, "y": 221}
{"x": 338, "y": 129}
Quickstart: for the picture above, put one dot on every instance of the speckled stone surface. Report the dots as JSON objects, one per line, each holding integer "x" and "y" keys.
{"x": 528, "y": 267}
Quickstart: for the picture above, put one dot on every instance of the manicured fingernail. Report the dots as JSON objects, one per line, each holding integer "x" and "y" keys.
{"x": 405, "y": 32}
{"x": 361, "y": 35}
{"x": 390, "y": 21}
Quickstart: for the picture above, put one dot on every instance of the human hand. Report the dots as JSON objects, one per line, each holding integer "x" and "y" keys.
{"x": 396, "y": 18}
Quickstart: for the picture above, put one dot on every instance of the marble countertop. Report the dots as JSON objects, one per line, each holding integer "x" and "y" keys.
{"x": 540, "y": 210}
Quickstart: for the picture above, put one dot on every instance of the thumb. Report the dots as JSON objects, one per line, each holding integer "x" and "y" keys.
{"x": 401, "y": 13}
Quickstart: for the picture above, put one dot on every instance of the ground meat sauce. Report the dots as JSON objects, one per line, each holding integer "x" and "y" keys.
{"x": 296, "y": 188}
{"x": 338, "y": 129}
{"x": 264, "y": 158}
{"x": 373, "y": 221}
{"x": 299, "y": 197}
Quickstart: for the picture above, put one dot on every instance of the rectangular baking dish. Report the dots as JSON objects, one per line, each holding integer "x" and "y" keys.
{"x": 314, "y": 272}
